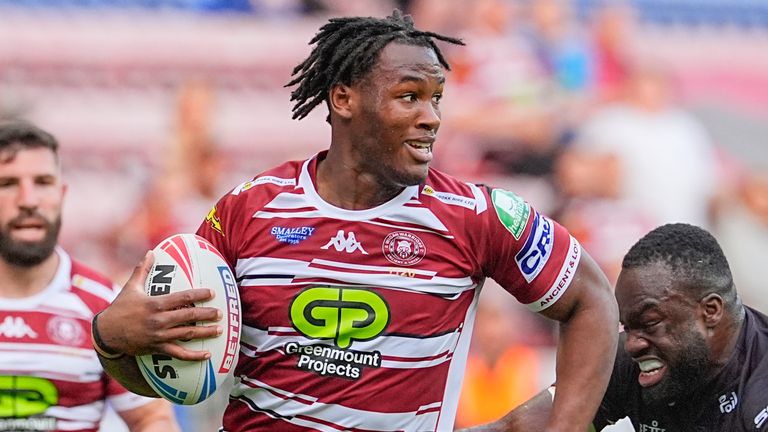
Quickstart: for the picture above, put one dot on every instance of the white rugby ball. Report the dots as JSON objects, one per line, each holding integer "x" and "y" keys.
{"x": 182, "y": 262}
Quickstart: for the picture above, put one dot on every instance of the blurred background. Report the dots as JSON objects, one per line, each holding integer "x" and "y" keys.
{"x": 611, "y": 116}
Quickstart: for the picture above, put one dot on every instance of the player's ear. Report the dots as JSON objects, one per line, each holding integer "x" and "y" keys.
{"x": 712, "y": 309}
{"x": 341, "y": 100}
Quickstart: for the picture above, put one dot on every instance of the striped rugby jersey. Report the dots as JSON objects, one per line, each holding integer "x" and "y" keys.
{"x": 50, "y": 377}
{"x": 361, "y": 320}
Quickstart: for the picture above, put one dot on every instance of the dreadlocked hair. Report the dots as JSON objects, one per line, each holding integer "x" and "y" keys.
{"x": 346, "y": 50}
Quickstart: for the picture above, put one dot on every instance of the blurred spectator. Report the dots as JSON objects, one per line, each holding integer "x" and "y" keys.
{"x": 491, "y": 387}
{"x": 636, "y": 164}
{"x": 178, "y": 199}
{"x": 612, "y": 28}
{"x": 742, "y": 229}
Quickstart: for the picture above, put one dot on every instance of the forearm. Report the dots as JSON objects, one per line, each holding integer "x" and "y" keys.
{"x": 530, "y": 416}
{"x": 126, "y": 371}
{"x": 586, "y": 351}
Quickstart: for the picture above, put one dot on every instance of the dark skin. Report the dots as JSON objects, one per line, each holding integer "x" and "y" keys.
{"x": 383, "y": 129}
{"x": 659, "y": 315}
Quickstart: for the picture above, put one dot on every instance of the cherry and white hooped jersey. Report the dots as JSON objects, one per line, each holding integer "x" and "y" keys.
{"x": 50, "y": 376}
{"x": 361, "y": 320}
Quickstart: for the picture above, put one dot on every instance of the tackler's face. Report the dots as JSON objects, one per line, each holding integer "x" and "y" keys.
{"x": 397, "y": 119}
{"x": 31, "y": 196}
{"x": 663, "y": 333}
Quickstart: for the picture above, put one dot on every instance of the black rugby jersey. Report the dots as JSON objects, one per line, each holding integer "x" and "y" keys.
{"x": 736, "y": 400}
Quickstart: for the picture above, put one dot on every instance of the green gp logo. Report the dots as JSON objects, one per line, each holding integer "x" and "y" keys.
{"x": 341, "y": 314}
{"x": 24, "y": 396}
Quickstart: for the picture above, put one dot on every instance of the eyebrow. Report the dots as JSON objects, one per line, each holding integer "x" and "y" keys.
{"x": 418, "y": 79}
{"x": 646, "y": 305}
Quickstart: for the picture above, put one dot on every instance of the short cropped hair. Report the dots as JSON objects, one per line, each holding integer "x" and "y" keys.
{"x": 16, "y": 135}
{"x": 692, "y": 254}
{"x": 346, "y": 50}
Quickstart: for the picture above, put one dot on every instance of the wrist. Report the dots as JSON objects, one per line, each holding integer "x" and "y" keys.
{"x": 99, "y": 345}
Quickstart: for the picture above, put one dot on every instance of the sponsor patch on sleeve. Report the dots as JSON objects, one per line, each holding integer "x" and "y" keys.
{"x": 537, "y": 249}
{"x": 513, "y": 211}
{"x": 563, "y": 280}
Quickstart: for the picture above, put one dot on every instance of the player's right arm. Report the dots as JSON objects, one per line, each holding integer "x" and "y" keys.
{"x": 136, "y": 324}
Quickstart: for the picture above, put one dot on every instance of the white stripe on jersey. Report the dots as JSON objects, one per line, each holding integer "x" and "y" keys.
{"x": 72, "y": 364}
{"x": 289, "y": 405}
{"x": 77, "y": 417}
{"x": 291, "y": 201}
{"x": 93, "y": 287}
{"x": 375, "y": 276}
{"x": 482, "y": 204}
{"x": 126, "y": 401}
{"x": 428, "y": 352}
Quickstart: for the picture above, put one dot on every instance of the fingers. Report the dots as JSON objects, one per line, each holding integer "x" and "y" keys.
{"x": 141, "y": 271}
{"x": 183, "y": 299}
{"x": 182, "y": 353}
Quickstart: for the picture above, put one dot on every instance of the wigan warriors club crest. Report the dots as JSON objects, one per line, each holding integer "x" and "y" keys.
{"x": 403, "y": 248}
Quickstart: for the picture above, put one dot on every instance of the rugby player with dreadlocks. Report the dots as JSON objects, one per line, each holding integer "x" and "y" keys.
{"x": 360, "y": 268}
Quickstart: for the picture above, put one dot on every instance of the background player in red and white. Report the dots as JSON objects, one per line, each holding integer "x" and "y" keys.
{"x": 50, "y": 377}
{"x": 694, "y": 358}
{"x": 360, "y": 268}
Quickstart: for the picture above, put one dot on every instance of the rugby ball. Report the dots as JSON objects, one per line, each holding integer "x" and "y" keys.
{"x": 182, "y": 262}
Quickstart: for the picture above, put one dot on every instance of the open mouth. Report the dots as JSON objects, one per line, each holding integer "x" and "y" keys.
{"x": 421, "y": 151}
{"x": 651, "y": 372}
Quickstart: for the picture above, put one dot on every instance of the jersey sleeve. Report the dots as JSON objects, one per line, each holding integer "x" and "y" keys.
{"x": 529, "y": 254}
{"x": 221, "y": 225}
{"x": 121, "y": 399}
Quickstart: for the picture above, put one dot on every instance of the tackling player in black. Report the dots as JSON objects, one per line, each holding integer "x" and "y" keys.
{"x": 694, "y": 358}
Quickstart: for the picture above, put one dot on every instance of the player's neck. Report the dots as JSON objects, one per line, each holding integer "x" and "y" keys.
{"x": 341, "y": 184}
{"x": 20, "y": 282}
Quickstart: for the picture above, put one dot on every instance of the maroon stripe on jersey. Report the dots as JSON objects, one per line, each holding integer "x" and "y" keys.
{"x": 78, "y": 393}
{"x": 43, "y": 328}
{"x": 396, "y": 390}
{"x": 411, "y": 313}
{"x": 242, "y": 415}
{"x": 336, "y": 426}
{"x": 400, "y": 225}
{"x": 444, "y": 354}
{"x": 288, "y": 210}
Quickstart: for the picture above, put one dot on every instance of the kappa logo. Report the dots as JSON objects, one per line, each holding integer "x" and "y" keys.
{"x": 15, "y": 327}
{"x": 347, "y": 243}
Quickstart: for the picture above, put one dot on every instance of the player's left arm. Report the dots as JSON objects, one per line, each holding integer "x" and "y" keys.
{"x": 589, "y": 323}
{"x": 155, "y": 416}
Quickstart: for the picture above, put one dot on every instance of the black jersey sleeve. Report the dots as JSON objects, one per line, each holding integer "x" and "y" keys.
{"x": 621, "y": 390}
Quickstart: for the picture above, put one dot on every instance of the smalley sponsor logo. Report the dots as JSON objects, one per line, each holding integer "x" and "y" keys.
{"x": 291, "y": 235}
{"x": 347, "y": 243}
{"x": 537, "y": 249}
{"x": 15, "y": 327}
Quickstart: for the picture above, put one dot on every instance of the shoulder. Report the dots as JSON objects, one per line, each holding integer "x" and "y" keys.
{"x": 443, "y": 190}
{"x": 94, "y": 289}
{"x": 754, "y": 404}
{"x": 259, "y": 189}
